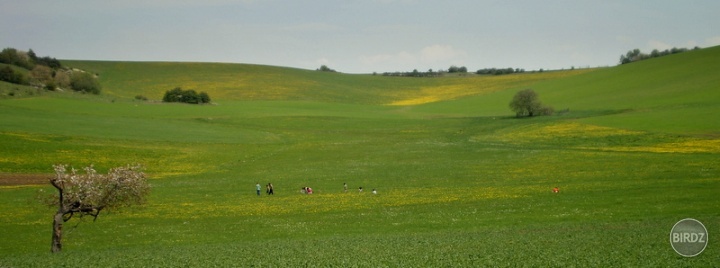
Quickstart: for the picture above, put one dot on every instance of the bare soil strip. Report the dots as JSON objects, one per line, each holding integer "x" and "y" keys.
{"x": 10, "y": 179}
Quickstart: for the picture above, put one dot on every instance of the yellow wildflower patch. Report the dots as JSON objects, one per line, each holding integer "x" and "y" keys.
{"x": 574, "y": 129}
{"x": 439, "y": 93}
{"x": 470, "y": 86}
{"x": 686, "y": 146}
{"x": 321, "y": 203}
{"x": 28, "y": 137}
{"x": 564, "y": 130}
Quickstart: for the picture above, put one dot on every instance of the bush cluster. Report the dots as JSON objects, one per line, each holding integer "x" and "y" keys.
{"x": 186, "y": 96}
{"x": 84, "y": 82}
{"x": 44, "y": 72}
{"x": 9, "y": 75}
{"x": 324, "y": 68}
{"x": 27, "y": 60}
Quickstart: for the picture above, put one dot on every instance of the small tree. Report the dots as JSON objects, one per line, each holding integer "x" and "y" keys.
{"x": 90, "y": 193}
{"x": 527, "y": 103}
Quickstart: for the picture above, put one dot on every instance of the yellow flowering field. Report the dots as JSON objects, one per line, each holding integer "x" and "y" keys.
{"x": 319, "y": 202}
{"x": 561, "y": 130}
{"x": 596, "y": 138}
{"x": 471, "y": 86}
{"x": 685, "y": 145}
{"x": 40, "y": 151}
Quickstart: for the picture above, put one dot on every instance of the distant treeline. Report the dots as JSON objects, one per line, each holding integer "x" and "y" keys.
{"x": 636, "y": 55}
{"x": 414, "y": 73}
{"x": 495, "y": 71}
{"x": 44, "y": 72}
{"x": 454, "y": 70}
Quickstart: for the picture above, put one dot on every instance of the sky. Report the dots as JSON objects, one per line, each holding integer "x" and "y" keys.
{"x": 360, "y": 36}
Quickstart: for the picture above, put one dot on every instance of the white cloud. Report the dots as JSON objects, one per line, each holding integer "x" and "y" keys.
{"x": 312, "y": 27}
{"x": 435, "y": 55}
{"x": 400, "y": 57}
{"x": 712, "y": 41}
{"x": 624, "y": 39}
{"x": 659, "y": 45}
{"x": 395, "y": 1}
{"x": 440, "y": 53}
{"x": 173, "y": 3}
{"x": 322, "y": 61}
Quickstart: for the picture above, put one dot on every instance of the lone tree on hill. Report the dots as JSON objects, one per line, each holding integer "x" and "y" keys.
{"x": 527, "y": 103}
{"x": 90, "y": 193}
{"x": 324, "y": 68}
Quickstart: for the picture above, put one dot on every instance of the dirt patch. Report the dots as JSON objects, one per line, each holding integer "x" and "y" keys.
{"x": 9, "y": 179}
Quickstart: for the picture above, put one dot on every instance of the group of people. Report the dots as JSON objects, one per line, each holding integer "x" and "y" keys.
{"x": 360, "y": 189}
{"x": 304, "y": 190}
{"x": 268, "y": 189}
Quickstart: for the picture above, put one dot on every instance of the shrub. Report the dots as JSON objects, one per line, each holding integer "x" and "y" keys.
{"x": 84, "y": 82}
{"x": 546, "y": 110}
{"x": 62, "y": 79}
{"x": 15, "y": 57}
{"x": 204, "y": 97}
{"x": 49, "y": 62}
{"x": 42, "y": 74}
{"x": 7, "y": 74}
{"x": 186, "y": 96}
{"x": 324, "y": 68}
{"x": 527, "y": 103}
{"x": 50, "y": 85}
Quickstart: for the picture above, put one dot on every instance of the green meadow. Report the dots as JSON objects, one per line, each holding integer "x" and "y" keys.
{"x": 460, "y": 181}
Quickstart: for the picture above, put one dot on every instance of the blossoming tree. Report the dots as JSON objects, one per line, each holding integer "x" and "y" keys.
{"x": 89, "y": 193}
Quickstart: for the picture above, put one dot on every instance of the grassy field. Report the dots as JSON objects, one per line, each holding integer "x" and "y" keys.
{"x": 225, "y": 82}
{"x": 460, "y": 181}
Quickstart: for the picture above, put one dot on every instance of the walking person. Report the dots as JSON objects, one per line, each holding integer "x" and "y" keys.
{"x": 345, "y": 186}
{"x": 257, "y": 187}
{"x": 271, "y": 191}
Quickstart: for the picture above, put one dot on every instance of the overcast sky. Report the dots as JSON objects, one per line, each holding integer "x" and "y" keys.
{"x": 359, "y": 36}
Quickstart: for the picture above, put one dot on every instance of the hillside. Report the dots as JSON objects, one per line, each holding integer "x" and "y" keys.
{"x": 231, "y": 82}
{"x": 675, "y": 94}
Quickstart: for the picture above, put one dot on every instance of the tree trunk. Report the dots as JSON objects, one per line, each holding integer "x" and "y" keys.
{"x": 57, "y": 232}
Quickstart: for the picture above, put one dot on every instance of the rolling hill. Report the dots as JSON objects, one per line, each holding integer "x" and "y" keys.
{"x": 232, "y": 82}
{"x": 460, "y": 180}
